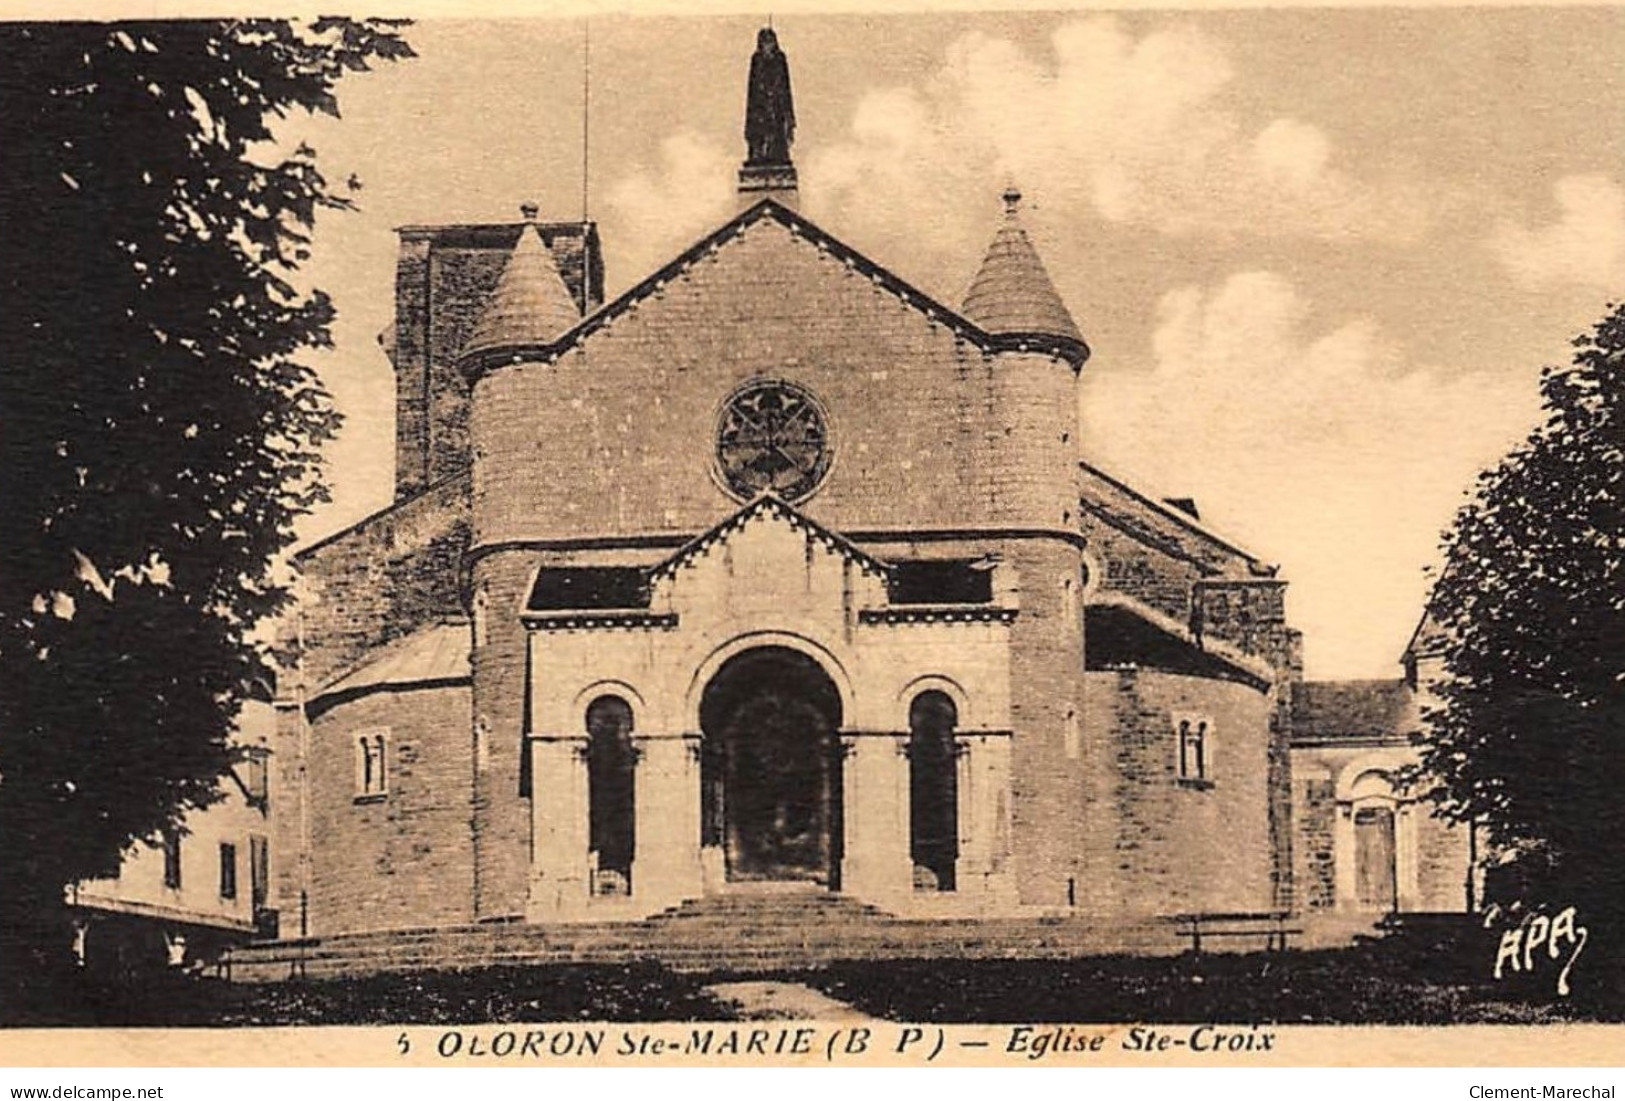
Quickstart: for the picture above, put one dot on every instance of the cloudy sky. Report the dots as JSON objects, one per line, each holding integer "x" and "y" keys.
{"x": 1321, "y": 255}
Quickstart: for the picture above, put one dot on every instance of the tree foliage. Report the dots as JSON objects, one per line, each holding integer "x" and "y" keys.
{"x": 160, "y": 433}
{"x": 1529, "y": 737}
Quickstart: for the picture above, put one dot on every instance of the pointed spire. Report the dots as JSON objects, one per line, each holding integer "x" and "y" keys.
{"x": 1012, "y": 293}
{"x": 531, "y": 305}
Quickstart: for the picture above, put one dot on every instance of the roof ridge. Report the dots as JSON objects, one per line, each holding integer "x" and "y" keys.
{"x": 1193, "y": 524}
{"x": 477, "y": 360}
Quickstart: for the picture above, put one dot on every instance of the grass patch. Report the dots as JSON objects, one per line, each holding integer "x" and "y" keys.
{"x": 1351, "y": 986}
{"x": 494, "y": 995}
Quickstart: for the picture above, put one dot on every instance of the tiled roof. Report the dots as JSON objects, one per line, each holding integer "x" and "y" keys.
{"x": 531, "y": 304}
{"x": 1159, "y": 524}
{"x": 433, "y": 654}
{"x": 1352, "y": 709}
{"x": 1012, "y": 293}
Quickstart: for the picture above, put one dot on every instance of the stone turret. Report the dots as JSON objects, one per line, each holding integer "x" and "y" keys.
{"x": 1012, "y": 294}
{"x": 531, "y": 306}
{"x": 445, "y": 279}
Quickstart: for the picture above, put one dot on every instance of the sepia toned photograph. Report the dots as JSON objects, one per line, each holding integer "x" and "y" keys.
{"x": 1054, "y": 535}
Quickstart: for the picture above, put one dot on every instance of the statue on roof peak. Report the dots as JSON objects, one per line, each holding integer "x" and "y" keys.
{"x": 770, "y": 116}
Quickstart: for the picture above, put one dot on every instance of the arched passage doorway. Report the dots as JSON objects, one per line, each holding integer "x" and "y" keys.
{"x": 771, "y": 780}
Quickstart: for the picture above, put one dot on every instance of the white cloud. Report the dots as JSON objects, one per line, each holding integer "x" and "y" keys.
{"x": 1292, "y": 152}
{"x": 1584, "y": 246}
{"x": 1135, "y": 130}
{"x": 1319, "y": 446}
{"x": 655, "y": 213}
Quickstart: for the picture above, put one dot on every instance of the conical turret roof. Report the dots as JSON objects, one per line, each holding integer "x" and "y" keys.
{"x": 1012, "y": 292}
{"x": 531, "y": 305}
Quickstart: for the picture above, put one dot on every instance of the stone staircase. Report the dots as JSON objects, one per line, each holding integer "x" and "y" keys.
{"x": 746, "y": 933}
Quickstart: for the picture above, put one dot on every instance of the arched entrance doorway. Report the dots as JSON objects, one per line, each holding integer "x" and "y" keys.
{"x": 1374, "y": 858}
{"x": 1376, "y": 849}
{"x": 771, "y": 780}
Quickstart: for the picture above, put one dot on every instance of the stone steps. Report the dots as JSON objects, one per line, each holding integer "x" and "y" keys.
{"x": 746, "y": 933}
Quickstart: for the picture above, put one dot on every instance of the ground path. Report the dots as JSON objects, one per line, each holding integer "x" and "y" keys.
{"x": 772, "y": 1000}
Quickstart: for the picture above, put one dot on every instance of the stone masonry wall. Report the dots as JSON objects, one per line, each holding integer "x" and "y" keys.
{"x": 286, "y": 783}
{"x": 1314, "y": 812}
{"x": 403, "y": 860}
{"x": 1440, "y": 850}
{"x": 1049, "y": 751}
{"x": 1442, "y": 863}
{"x": 443, "y": 280}
{"x": 617, "y": 437}
{"x": 501, "y": 789}
{"x": 382, "y": 579}
{"x": 1155, "y": 578}
{"x": 1176, "y": 846}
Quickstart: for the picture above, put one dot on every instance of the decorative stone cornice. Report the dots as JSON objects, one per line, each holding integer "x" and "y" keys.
{"x": 631, "y": 619}
{"x": 936, "y": 613}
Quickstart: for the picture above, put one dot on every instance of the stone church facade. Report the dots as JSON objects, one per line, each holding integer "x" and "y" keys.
{"x": 773, "y": 573}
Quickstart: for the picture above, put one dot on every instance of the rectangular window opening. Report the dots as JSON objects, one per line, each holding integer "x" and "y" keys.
{"x": 228, "y": 870}
{"x": 943, "y": 581}
{"x": 583, "y": 588}
{"x": 1195, "y": 752}
{"x": 172, "y": 860}
{"x": 372, "y": 764}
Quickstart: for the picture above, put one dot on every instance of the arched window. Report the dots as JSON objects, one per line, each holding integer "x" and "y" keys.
{"x": 933, "y": 790}
{"x": 611, "y": 760}
{"x": 371, "y": 765}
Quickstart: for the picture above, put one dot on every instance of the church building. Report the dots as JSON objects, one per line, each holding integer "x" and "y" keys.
{"x": 773, "y": 574}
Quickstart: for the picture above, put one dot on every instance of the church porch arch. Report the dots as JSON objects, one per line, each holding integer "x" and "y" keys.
{"x": 707, "y": 668}
{"x": 771, "y": 768}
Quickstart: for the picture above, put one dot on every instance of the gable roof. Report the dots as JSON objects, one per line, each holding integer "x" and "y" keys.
{"x": 1339, "y": 710}
{"x": 767, "y": 504}
{"x": 477, "y": 361}
{"x": 1428, "y": 640}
